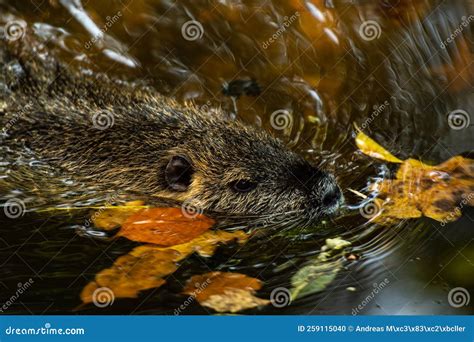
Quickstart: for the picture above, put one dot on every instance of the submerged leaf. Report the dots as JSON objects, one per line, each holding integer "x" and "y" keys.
{"x": 314, "y": 278}
{"x": 225, "y": 291}
{"x": 320, "y": 272}
{"x": 145, "y": 266}
{"x": 337, "y": 243}
{"x": 373, "y": 149}
{"x": 234, "y": 300}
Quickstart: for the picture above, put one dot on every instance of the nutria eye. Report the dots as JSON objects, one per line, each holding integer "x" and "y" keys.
{"x": 243, "y": 185}
{"x": 178, "y": 173}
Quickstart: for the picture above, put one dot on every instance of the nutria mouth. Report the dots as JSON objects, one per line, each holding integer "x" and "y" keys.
{"x": 116, "y": 136}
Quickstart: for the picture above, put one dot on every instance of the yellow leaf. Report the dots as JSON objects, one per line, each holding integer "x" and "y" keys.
{"x": 439, "y": 192}
{"x": 113, "y": 217}
{"x": 145, "y": 266}
{"x": 225, "y": 291}
{"x": 372, "y": 149}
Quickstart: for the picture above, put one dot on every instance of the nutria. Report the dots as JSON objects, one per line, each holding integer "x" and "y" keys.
{"x": 123, "y": 136}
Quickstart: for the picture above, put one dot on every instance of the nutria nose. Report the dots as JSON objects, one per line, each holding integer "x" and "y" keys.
{"x": 332, "y": 196}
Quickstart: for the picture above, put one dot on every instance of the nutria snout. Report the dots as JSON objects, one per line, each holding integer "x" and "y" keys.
{"x": 117, "y": 136}
{"x": 322, "y": 189}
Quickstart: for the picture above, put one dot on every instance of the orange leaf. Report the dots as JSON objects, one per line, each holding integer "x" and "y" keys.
{"x": 164, "y": 226}
{"x": 225, "y": 291}
{"x": 145, "y": 266}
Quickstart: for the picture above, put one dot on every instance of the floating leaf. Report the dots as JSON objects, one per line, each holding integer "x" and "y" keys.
{"x": 372, "y": 149}
{"x": 319, "y": 273}
{"x": 164, "y": 226}
{"x": 234, "y": 300}
{"x": 337, "y": 243}
{"x": 438, "y": 192}
{"x": 145, "y": 266}
{"x": 113, "y": 217}
{"x": 225, "y": 291}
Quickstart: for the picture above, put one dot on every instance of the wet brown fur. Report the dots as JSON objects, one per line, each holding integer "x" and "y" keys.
{"x": 49, "y": 109}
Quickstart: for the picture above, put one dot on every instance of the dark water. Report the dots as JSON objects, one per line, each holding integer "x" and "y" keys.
{"x": 399, "y": 85}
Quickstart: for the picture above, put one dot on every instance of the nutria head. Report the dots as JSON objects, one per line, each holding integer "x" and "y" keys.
{"x": 228, "y": 167}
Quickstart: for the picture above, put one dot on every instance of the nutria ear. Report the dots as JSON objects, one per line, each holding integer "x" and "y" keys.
{"x": 178, "y": 173}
